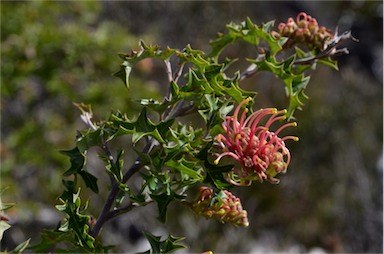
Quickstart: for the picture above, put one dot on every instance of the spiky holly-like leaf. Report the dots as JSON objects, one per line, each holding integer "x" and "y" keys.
{"x": 167, "y": 246}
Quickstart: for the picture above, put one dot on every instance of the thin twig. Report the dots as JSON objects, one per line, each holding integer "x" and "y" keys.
{"x": 105, "y": 213}
{"x": 168, "y": 66}
{"x": 111, "y": 160}
{"x": 181, "y": 109}
{"x": 103, "y": 217}
{"x": 168, "y": 96}
{"x": 249, "y": 72}
{"x": 331, "y": 49}
{"x": 169, "y": 70}
{"x": 125, "y": 209}
{"x": 138, "y": 163}
{"x": 252, "y": 69}
{"x": 179, "y": 72}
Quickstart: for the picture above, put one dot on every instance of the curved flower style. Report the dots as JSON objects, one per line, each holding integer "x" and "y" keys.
{"x": 261, "y": 153}
{"x": 226, "y": 208}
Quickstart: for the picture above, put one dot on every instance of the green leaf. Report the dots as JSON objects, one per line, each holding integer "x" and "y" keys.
{"x": 141, "y": 127}
{"x": 139, "y": 135}
{"x": 295, "y": 84}
{"x": 127, "y": 70}
{"x": 246, "y": 31}
{"x": 121, "y": 195}
{"x": 77, "y": 222}
{"x": 193, "y": 56}
{"x": 146, "y": 51}
{"x": 163, "y": 200}
{"x": 237, "y": 93}
{"x": 156, "y": 105}
{"x": 215, "y": 175}
{"x": 77, "y": 160}
{"x": 3, "y": 226}
{"x": 6, "y": 206}
{"x": 152, "y": 183}
{"x": 90, "y": 180}
{"x": 70, "y": 185}
{"x": 212, "y": 70}
{"x": 170, "y": 244}
{"x": 49, "y": 239}
{"x": 156, "y": 159}
{"x": 124, "y": 73}
{"x": 154, "y": 241}
{"x": 302, "y": 54}
{"x": 115, "y": 169}
{"x": 329, "y": 62}
{"x": 174, "y": 90}
{"x": 89, "y": 138}
{"x": 167, "y": 246}
{"x": 77, "y": 167}
{"x": 205, "y": 151}
{"x": 145, "y": 158}
{"x": 139, "y": 198}
{"x": 21, "y": 247}
{"x": 195, "y": 85}
{"x": 185, "y": 167}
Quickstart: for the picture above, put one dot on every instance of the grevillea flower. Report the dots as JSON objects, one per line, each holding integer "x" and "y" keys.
{"x": 305, "y": 30}
{"x": 260, "y": 153}
{"x": 225, "y": 208}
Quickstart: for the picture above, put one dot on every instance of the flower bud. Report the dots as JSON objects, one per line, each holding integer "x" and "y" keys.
{"x": 299, "y": 35}
{"x": 302, "y": 24}
{"x": 225, "y": 209}
{"x": 305, "y": 31}
{"x": 307, "y": 34}
{"x": 291, "y": 22}
{"x": 301, "y": 16}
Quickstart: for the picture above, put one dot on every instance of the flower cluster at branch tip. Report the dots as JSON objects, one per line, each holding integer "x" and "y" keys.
{"x": 227, "y": 208}
{"x": 261, "y": 153}
{"x": 305, "y": 30}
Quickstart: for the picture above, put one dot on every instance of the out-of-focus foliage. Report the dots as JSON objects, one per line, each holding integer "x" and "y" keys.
{"x": 55, "y": 53}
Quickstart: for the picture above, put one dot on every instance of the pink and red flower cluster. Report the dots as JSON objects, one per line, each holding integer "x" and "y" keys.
{"x": 225, "y": 209}
{"x": 305, "y": 30}
{"x": 260, "y": 153}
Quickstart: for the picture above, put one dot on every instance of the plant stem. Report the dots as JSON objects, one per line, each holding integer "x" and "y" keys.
{"x": 331, "y": 49}
{"x": 107, "y": 214}
{"x": 107, "y": 151}
{"x": 103, "y": 217}
{"x": 179, "y": 72}
{"x": 250, "y": 71}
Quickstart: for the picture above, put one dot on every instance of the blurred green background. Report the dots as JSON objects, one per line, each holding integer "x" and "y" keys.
{"x": 57, "y": 53}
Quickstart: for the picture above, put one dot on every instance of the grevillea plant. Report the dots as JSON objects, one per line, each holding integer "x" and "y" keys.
{"x": 186, "y": 164}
